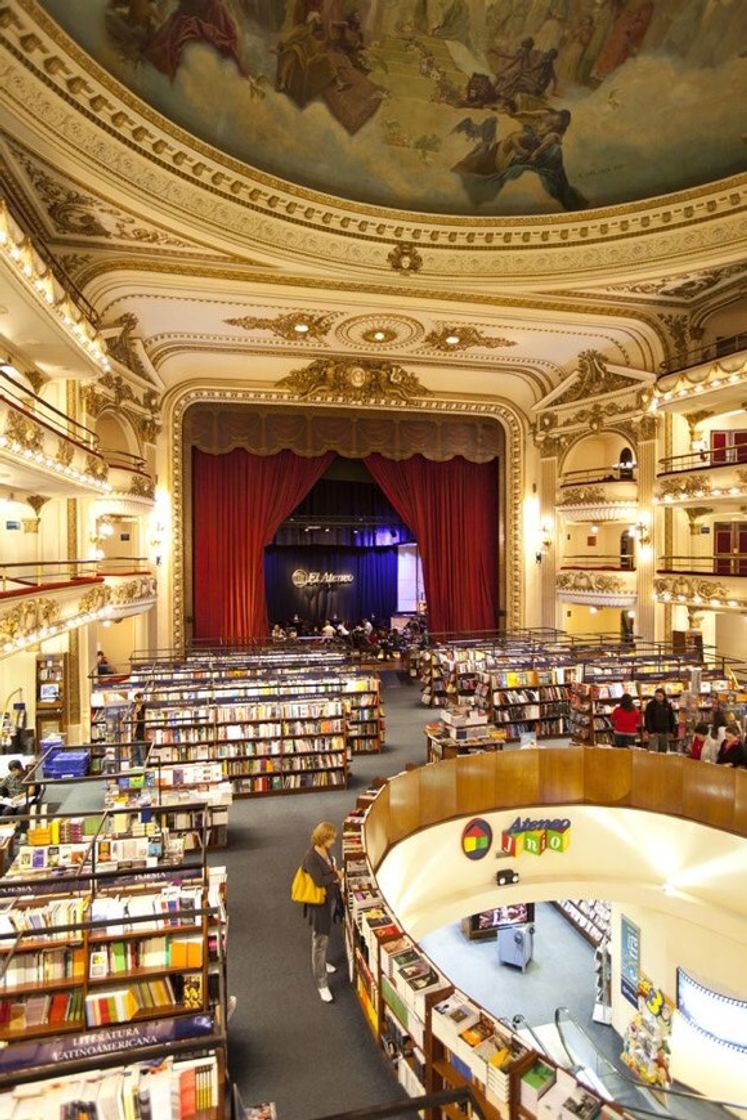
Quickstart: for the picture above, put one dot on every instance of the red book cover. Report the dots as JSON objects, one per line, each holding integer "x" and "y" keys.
{"x": 187, "y": 1094}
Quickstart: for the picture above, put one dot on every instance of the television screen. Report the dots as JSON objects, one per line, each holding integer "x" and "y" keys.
{"x": 48, "y": 693}
{"x": 516, "y": 915}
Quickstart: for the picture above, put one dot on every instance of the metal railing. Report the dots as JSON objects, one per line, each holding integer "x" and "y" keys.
{"x": 33, "y": 574}
{"x": 30, "y": 404}
{"x": 614, "y": 561}
{"x": 719, "y": 564}
{"x": 704, "y": 460}
{"x": 711, "y": 351}
{"x": 124, "y": 460}
{"x": 615, "y": 473}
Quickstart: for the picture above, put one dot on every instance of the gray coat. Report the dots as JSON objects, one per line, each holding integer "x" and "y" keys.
{"x": 324, "y": 875}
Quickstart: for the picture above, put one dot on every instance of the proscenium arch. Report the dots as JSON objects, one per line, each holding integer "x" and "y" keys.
{"x": 513, "y": 423}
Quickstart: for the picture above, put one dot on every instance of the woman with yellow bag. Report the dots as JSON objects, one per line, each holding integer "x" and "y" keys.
{"x": 321, "y": 897}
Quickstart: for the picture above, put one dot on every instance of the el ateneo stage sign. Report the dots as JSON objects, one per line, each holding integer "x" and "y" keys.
{"x": 301, "y": 578}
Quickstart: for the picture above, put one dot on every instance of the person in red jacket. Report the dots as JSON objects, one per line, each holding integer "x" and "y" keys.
{"x": 626, "y": 722}
{"x": 700, "y": 734}
{"x": 732, "y": 752}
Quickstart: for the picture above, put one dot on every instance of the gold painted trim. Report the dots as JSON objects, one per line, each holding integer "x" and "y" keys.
{"x": 513, "y": 423}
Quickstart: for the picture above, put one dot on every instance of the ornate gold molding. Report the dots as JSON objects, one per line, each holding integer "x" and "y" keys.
{"x": 405, "y": 258}
{"x": 21, "y": 430}
{"x": 594, "y": 379}
{"x": 357, "y": 381}
{"x": 589, "y": 581}
{"x": 27, "y": 618}
{"x": 177, "y": 402}
{"x": 50, "y": 78}
{"x": 684, "y": 488}
{"x": 452, "y": 339}
{"x": 583, "y": 496}
{"x": 696, "y": 589}
{"x": 142, "y": 487}
{"x": 694, "y": 515}
{"x": 295, "y": 326}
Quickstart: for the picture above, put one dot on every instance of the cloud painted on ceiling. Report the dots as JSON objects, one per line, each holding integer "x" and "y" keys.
{"x": 444, "y": 106}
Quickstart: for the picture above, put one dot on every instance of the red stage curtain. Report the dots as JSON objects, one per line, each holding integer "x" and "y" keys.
{"x": 452, "y": 508}
{"x": 238, "y": 503}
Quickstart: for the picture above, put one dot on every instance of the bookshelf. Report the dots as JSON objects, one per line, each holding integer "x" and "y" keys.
{"x": 51, "y": 694}
{"x": 591, "y": 917}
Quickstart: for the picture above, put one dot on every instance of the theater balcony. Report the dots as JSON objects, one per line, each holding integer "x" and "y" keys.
{"x": 132, "y": 487}
{"x": 44, "y": 450}
{"x": 39, "y": 600}
{"x": 597, "y": 586}
{"x": 608, "y": 493}
{"x": 713, "y": 376}
{"x": 717, "y": 582}
{"x": 718, "y": 474}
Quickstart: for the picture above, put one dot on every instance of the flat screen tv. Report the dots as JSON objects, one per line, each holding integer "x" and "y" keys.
{"x": 517, "y": 914}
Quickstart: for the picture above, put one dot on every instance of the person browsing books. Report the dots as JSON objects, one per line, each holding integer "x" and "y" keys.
{"x": 659, "y": 722}
{"x": 732, "y": 751}
{"x": 319, "y": 862}
{"x": 626, "y": 721}
{"x": 699, "y": 740}
{"x": 12, "y": 789}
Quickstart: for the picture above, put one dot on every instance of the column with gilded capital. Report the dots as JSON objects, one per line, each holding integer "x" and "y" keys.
{"x": 647, "y": 550}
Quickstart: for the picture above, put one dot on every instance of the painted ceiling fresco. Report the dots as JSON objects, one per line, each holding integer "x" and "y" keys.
{"x": 447, "y": 106}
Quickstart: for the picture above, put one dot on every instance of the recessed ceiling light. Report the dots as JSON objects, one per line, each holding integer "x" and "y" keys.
{"x": 379, "y": 336}
{"x": 452, "y": 339}
{"x": 301, "y": 328}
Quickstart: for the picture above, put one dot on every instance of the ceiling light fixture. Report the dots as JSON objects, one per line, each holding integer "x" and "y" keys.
{"x": 301, "y": 328}
{"x": 379, "y": 336}
{"x": 452, "y": 339}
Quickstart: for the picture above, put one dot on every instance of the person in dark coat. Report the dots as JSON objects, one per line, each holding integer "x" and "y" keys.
{"x": 319, "y": 862}
{"x": 659, "y": 722}
{"x": 732, "y": 751}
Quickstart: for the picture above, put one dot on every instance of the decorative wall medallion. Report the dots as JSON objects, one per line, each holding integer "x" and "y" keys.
{"x": 379, "y": 329}
{"x": 94, "y": 402}
{"x": 447, "y": 338}
{"x": 96, "y": 467}
{"x": 297, "y": 326}
{"x": 346, "y": 380}
{"x": 405, "y": 258}
{"x": 142, "y": 486}
{"x": 117, "y": 385}
{"x": 65, "y": 452}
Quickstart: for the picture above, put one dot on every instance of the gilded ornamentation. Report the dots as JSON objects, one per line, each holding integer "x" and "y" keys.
{"x": 684, "y": 488}
{"x": 27, "y": 618}
{"x": 465, "y": 337}
{"x": 96, "y": 467}
{"x": 30, "y": 524}
{"x": 589, "y": 581}
{"x": 147, "y": 428}
{"x": 405, "y": 258}
{"x": 695, "y": 418}
{"x": 118, "y": 386}
{"x": 647, "y": 427}
{"x": 94, "y": 599}
{"x": 142, "y": 486}
{"x": 65, "y": 452}
{"x": 594, "y": 378}
{"x": 123, "y": 348}
{"x": 21, "y": 430}
{"x": 679, "y": 331}
{"x": 583, "y": 496}
{"x": 133, "y": 591}
{"x": 94, "y": 402}
{"x": 296, "y": 326}
{"x": 692, "y": 587}
{"x": 353, "y": 381}
{"x": 36, "y": 379}
{"x": 686, "y": 286}
{"x": 37, "y": 502}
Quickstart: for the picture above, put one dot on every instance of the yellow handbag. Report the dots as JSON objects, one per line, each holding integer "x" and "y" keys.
{"x": 304, "y": 889}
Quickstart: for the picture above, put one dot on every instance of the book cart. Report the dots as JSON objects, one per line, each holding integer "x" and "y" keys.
{"x": 106, "y": 966}
{"x": 434, "y": 1036}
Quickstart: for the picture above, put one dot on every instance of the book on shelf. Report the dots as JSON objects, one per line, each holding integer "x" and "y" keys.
{"x": 535, "y": 1082}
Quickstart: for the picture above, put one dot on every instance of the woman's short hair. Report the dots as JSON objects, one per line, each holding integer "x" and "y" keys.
{"x": 701, "y": 729}
{"x": 626, "y": 702}
{"x": 324, "y": 832}
{"x": 734, "y": 729}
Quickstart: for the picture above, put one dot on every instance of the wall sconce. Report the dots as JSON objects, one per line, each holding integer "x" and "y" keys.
{"x": 640, "y": 532}
{"x": 156, "y": 540}
{"x": 544, "y": 540}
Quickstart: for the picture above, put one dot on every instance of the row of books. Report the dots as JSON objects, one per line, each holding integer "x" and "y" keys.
{"x": 148, "y": 953}
{"x": 185, "y": 1088}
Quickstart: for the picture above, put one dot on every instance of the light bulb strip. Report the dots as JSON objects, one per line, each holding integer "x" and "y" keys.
{"x": 47, "y": 463}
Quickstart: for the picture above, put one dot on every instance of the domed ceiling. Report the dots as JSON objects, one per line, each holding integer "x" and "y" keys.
{"x": 457, "y": 107}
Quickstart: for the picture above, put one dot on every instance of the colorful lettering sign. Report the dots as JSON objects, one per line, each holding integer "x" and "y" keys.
{"x": 477, "y": 838}
{"x": 630, "y": 959}
{"x": 536, "y": 836}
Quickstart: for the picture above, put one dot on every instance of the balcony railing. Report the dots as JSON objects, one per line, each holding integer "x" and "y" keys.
{"x": 33, "y": 575}
{"x": 721, "y": 348}
{"x": 123, "y": 460}
{"x": 719, "y": 564}
{"x": 704, "y": 460}
{"x": 613, "y": 562}
{"x": 615, "y": 473}
{"x": 32, "y": 405}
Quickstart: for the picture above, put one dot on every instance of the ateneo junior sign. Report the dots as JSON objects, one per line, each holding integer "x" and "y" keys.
{"x": 301, "y": 578}
{"x": 527, "y": 835}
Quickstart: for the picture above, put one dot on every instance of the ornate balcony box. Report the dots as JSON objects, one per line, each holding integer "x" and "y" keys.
{"x": 703, "y": 590}
{"x": 610, "y": 500}
{"x": 598, "y": 589}
{"x": 716, "y": 476}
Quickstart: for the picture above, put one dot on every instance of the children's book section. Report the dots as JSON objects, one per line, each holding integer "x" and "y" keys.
{"x": 112, "y": 925}
{"x": 435, "y": 1036}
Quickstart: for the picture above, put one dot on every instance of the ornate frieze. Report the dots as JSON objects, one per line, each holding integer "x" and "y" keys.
{"x": 449, "y": 338}
{"x": 357, "y": 381}
{"x": 96, "y": 467}
{"x": 295, "y": 326}
{"x": 582, "y": 496}
{"x": 589, "y": 581}
{"x": 683, "y": 489}
{"x": 697, "y": 590}
{"x": 28, "y": 618}
{"x": 594, "y": 378}
{"x": 142, "y": 486}
{"x": 23, "y": 431}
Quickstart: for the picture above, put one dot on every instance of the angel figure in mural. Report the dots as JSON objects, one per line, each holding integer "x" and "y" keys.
{"x": 537, "y": 146}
